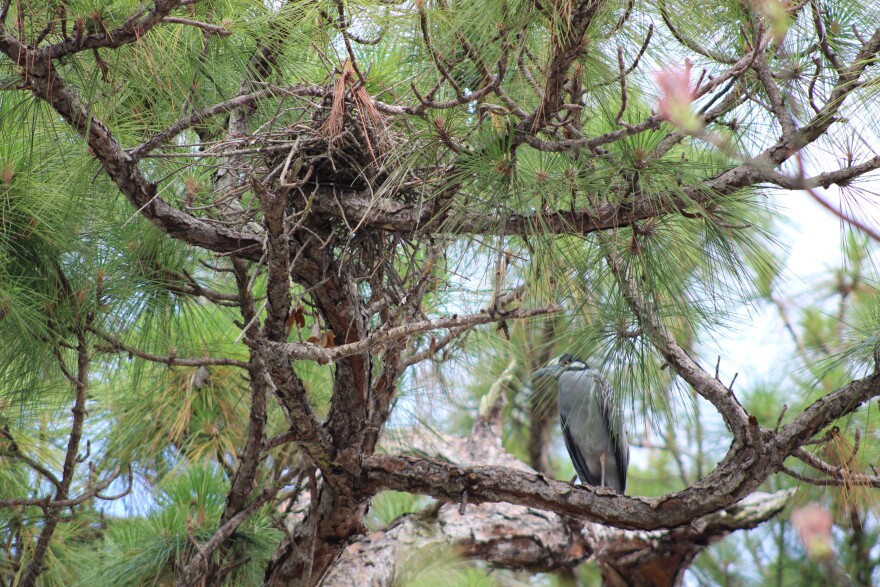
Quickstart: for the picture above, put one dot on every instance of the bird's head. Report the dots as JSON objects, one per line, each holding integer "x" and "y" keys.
{"x": 560, "y": 364}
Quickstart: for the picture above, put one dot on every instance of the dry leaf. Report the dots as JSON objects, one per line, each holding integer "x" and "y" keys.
{"x": 298, "y": 317}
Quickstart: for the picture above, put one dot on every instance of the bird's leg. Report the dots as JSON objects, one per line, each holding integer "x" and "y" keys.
{"x": 602, "y": 489}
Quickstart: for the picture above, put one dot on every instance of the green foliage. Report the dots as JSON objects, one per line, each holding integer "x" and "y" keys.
{"x": 80, "y": 266}
{"x": 187, "y": 510}
{"x": 390, "y": 505}
{"x": 435, "y": 567}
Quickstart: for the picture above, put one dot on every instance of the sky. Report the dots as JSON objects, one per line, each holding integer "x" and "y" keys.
{"x": 812, "y": 243}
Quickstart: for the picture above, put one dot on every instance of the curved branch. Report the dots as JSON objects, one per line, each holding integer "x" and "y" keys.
{"x": 117, "y": 346}
{"x": 239, "y": 101}
{"x": 42, "y": 80}
{"x": 47, "y": 503}
{"x": 520, "y": 537}
{"x": 701, "y": 380}
{"x": 739, "y": 474}
{"x": 133, "y": 29}
{"x": 826, "y": 410}
{"x": 380, "y": 338}
{"x": 15, "y": 452}
{"x": 841, "y": 177}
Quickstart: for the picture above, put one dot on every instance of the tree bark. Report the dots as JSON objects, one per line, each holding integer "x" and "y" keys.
{"x": 523, "y": 537}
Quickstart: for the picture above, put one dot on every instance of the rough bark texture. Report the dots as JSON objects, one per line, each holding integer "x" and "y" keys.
{"x": 523, "y": 537}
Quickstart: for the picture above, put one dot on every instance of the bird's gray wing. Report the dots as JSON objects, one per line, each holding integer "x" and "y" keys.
{"x": 577, "y": 459}
{"x": 613, "y": 418}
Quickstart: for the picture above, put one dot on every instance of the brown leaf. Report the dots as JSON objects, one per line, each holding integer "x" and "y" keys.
{"x": 298, "y": 317}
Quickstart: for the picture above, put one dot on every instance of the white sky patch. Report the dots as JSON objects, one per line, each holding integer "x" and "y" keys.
{"x": 760, "y": 348}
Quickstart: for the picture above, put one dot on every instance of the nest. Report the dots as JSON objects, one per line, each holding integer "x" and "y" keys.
{"x": 344, "y": 146}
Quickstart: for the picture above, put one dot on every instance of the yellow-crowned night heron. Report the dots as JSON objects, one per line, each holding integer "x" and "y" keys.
{"x": 592, "y": 422}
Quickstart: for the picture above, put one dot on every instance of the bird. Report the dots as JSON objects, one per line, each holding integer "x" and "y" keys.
{"x": 592, "y": 422}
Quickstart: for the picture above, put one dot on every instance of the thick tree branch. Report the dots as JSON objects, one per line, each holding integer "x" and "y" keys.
{"x": 826, "y": 410}
{"x": 132, "y": 30}
{"x": 41, "y": 78}
{"x": 520, "y": 537}
{"x": 567, "y": 46}
{"x": 740, "y": 473}
{"x": 444, "y": 480}
{"x": 841, "y": 177}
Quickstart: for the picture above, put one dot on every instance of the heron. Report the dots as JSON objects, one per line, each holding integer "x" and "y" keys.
{"x": 592, "y": 422}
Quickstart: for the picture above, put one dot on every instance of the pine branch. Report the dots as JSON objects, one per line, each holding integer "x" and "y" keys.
{"x": 115, "y": 345}
{"x": 52, "y": 506}
{"x": 380, "y": 338}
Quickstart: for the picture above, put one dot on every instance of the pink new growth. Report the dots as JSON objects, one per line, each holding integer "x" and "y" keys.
{"x": 813, "y": 524}
{"x": 674, "y": 104}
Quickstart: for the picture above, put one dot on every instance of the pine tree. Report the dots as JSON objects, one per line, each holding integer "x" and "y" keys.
{"x": 274, "y": 276}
